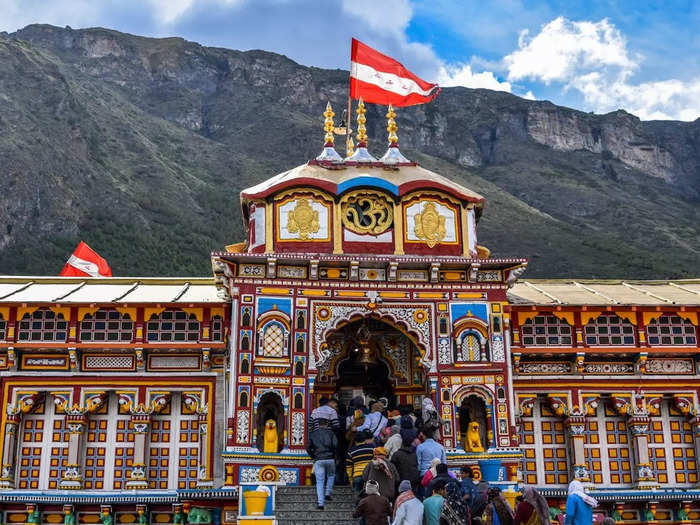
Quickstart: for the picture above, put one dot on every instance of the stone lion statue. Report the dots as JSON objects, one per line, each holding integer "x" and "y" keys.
{"x": 271, "y": 438}
{"x": 472, "y": 442}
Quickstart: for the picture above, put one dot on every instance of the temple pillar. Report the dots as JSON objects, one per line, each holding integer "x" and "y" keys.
{"x": 204, "y": 477}
{"x": 73, "y": 475}
{"x": 489, "y": 427}
{"x": 576, "y": 426}
{"x": 141, "y": 425}
{"x": 7, "y": 476}
{"x": 638, "y": 424}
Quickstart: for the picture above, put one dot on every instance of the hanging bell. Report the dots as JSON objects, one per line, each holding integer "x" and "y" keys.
{"x": 368, "y": 357}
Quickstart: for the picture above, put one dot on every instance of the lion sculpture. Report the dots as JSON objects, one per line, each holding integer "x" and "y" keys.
{"x": 472, "y": 442}
{"x": 271, "y": 438}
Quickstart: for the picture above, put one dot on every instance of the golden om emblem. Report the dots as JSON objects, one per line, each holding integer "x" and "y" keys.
{"x": 367, "y": 214}
{"x": 430, "y": 225}
{"x": 303, "y": 219}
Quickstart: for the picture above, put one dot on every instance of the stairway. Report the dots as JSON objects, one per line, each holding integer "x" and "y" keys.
{"x": 296, "y": 505}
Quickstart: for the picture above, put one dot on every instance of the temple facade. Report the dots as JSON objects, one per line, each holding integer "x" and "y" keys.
{"x": 151, "y": 400}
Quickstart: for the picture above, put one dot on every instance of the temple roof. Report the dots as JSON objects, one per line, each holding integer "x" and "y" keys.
{"x": 605, "y": 292}
{"x": 338, "y": 179}
{"x": 549, "y": 292}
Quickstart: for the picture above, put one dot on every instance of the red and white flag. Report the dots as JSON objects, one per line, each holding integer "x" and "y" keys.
{"x": 86, "y": 263}
{"x": 379, "y": 79}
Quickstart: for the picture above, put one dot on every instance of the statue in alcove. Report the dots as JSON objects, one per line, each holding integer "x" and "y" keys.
{"x": 472, "y": 442}
{"x": 270, "y": 423}
{"x": 473, "y": 410}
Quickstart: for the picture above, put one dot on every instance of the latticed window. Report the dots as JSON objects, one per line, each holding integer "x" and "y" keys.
{"x": 188, "y": 452}
{"x": 172, "y": 326}
{"x": 29, "y": 461}
{"x": 123, "y": 453}
{"x": 59, "y": 452}
{"x": 274, "y": 340}
{"x": 469, "y": 348}
{"x": 3, "y": 328}
{"x": 607, "y": 448}
{"x": 671, "y": 330}
{"x": 217, "y": 329}
{"x": 543, "y": 440}
{"x": 43, "y": 325}
{"x": 546, "y": 330}
{"x": 159, "y": 453}
{"x": 609, "y": 330}
{"x": 106, "y": 325}
{"x": 95, "y": 453}
{"x": 671, "y": 447}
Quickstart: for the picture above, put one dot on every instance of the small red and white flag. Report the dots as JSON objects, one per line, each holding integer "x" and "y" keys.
{"x": 85, "y": 262}
{"x": 379, "y": 79}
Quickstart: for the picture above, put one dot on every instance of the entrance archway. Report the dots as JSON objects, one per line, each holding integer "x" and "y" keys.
{"x": 373, "y": 358}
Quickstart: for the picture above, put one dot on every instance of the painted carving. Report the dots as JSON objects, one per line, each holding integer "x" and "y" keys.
{"x": 444, "y": 354}
{"x": 242, "y": 426}
{"x": 498, "y": 353}
{"x": 271, "y": 438}
{"x": 303, "y": 219}
{"x": 430, "y": 225}
{"x": 669, "y": 366}
{"x": 367, "y": 214}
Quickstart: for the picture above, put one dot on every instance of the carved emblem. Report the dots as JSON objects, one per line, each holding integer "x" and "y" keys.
{"x": 303, "y": 219}
{"x": 367, "y": 214}
{"x": 430, "y": 225}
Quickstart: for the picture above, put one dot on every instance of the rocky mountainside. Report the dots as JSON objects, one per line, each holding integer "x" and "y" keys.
{"x": 140, "y": 146}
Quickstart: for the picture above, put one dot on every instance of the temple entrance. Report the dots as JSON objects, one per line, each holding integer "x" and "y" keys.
{"x": 375, "y": 359}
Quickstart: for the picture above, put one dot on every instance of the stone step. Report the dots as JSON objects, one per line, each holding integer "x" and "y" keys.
{"x": 316, "y": 515}
{"x": 321, "y": 520}
{"x": 294, "y": 505}
{"x": 312, "y": 488}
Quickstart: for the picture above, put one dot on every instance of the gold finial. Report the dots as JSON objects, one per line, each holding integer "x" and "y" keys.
{"x": 351, "y": 146}
{"x": 391, "y": 126}
{"x": 328, "y": 125}
{"x": 361, "y": 130}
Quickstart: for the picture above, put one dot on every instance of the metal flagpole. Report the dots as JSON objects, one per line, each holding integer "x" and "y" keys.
{"x": 348, "y": 129}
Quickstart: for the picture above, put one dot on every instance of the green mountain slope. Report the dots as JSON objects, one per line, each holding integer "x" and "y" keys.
{"x": 140, "y": 146}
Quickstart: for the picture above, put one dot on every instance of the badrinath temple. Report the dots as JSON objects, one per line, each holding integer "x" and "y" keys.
{"x": 144, "y": 400}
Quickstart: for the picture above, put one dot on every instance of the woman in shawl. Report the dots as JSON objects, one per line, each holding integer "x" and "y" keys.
{"x": 455, "y": 510}
{"x": 383, "y": 472}
{"x": 579, "y": 505}
{"x": 498, "y": 512}
{"x": 532, "y": 510}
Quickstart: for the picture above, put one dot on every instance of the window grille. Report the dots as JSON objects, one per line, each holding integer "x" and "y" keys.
{"x": 106, "y": 326}
{"x": 42, "y": 325}
{"x": 546, "y": 330}
{"x": 172, "y": 326}
{"x": 670, "y": 330}
{"x": 609, "y": 330}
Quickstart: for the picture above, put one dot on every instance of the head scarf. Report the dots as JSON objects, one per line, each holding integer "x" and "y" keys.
{"x": 428, "y": 407}
{"x": 576, "y": 487}
{"x": 433, "y": 466}
{"x": 538, "y": 502}
{"x": 500, "y": 506}
{"x": 380, "y": 462}
{"x": 405, "y": 494}
{"x": 454, "y": 510}
{"x": 372, "y": 487}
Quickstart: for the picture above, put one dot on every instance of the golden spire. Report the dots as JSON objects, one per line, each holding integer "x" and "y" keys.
{"x": 328, "y": 125}
{"x": 351, "y": 146}
{"x": 329, "y": 154}
{"x": 361, "y": 130}
{"x": 391, "y": 126}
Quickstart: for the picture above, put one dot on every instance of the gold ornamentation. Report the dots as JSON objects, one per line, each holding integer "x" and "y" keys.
{"x": 269, "y": 473}
{"x": 420, "y": 316}
{"x": 368, "y": 214}
{"x": 361, "y": 129}
{"x": 303, "y": 219}
{"x": 350, "y": 146}
{"x": 328, "y": 125}
{"x": 430, "y": 225}
{"x": 391, "y": 126}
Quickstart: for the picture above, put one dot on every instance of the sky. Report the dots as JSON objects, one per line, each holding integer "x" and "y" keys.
{"x": 637, "y": 55}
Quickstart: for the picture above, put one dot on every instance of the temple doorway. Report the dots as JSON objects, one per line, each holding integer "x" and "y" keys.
{"x": 375, "y": 359}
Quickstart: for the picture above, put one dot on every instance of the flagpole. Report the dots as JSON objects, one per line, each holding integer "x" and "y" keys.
{"x": 348, "y": 129}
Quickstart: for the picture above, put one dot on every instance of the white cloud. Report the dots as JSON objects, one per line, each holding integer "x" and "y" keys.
{"x": 464, "y": 76}
{"x": 593, "y": 59}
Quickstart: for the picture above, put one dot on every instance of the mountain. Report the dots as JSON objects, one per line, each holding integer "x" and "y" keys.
{"x": 139, "y": 146}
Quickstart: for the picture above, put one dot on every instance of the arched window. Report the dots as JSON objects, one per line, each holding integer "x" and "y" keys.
{"x": 3, "y": 328}
{"x": 243, "y": 399}
{"x": 671, "y": 330}
{"x": 43, "y": 325}
{"x": 609, "y": 330}
{"x": 301, "y": 320}
{"x": 546, "y": 330}
{"x": 444, "y": 328}
{"x": 172, "y": 326}
{"x": 299, "y": 368}
{"x": 245, "y": 367}
{"x": 468, "y": 347}
{"x": 245, "y": 342}
{"x": 298, "y": 401}
{"x": 217, "y": 328}
{"x": 106, "y": 325}
{"x": 273, "y": 335}
{"x": 300, "y": 344}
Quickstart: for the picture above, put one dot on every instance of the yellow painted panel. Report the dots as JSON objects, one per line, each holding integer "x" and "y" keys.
{"x": 162, "y": 518}
{"x": 469, "y": 295}
{"x": 430, "y": 295}
{"x": 127, "y": 518}
{"x": 198, "y": 313}
{"x": 84, "y": 310}
{"x": 274, "y": 291}
{"x": 90, "y": 518}
{"x": 63, "y": 310}
{"x": 588, "y": 315}
{"x": 393, "y": 295}
{"x": 53, "y": 518}
{"x": 314, "y": 293}
{"x": 350, "y": 293}
{"x": 333, "y": 273}
{"x": 17, "y": 518}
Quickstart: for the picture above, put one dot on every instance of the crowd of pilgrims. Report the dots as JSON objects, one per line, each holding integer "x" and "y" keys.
{"x": 397, "y": 467}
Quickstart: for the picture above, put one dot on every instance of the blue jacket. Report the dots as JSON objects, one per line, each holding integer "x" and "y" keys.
{"x": 426, "y": 451}
{"x": 577, "y": 511}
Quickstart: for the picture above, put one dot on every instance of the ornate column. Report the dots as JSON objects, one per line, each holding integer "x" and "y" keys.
{"x": 638, "y": 422}
{"x": 25, "y": 403}
{"x": 196, "y": 405}
{"x": 576, "y": 425}
{"x": 73, "y": 475}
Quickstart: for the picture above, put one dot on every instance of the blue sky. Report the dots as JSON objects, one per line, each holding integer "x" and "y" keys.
{"x": 597, "y": 56}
